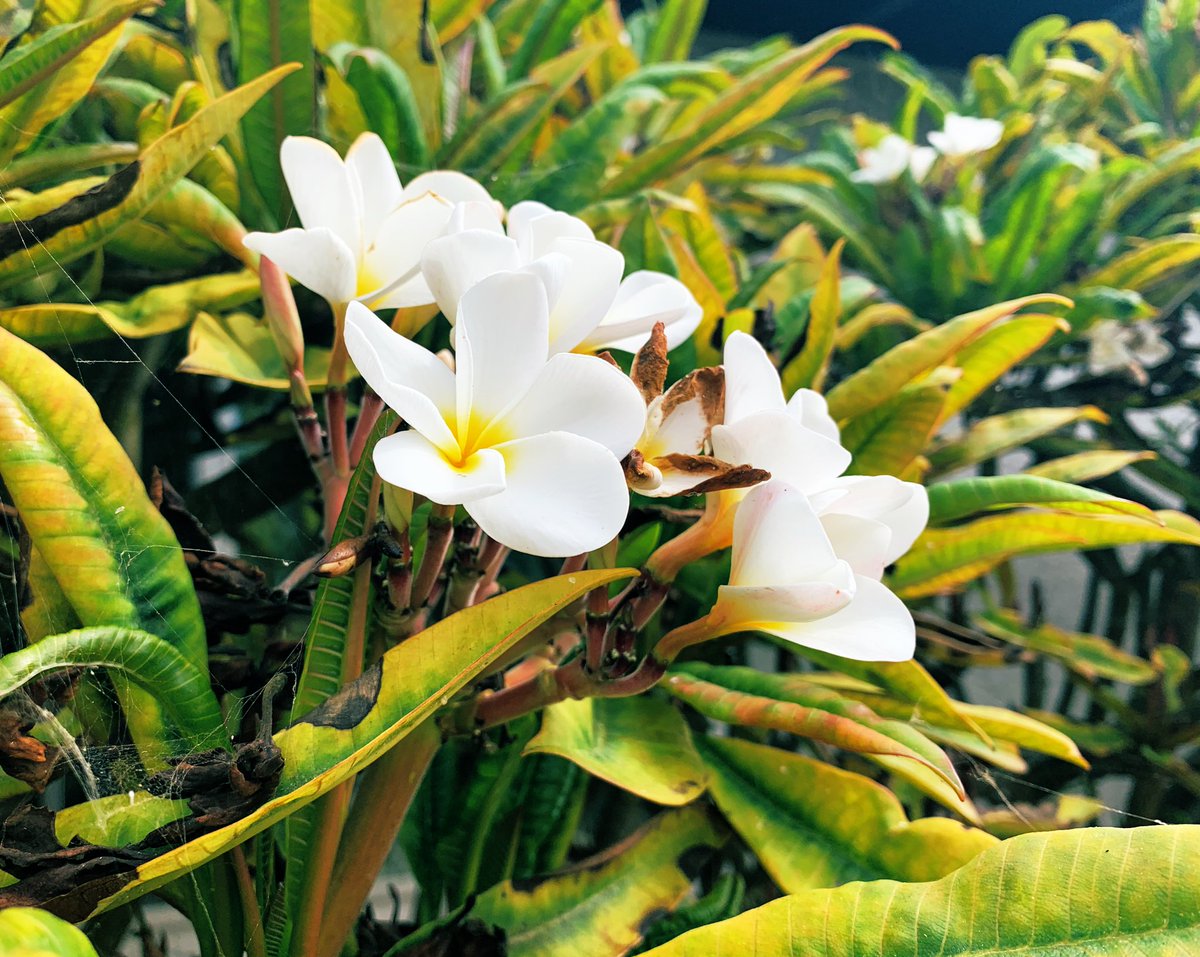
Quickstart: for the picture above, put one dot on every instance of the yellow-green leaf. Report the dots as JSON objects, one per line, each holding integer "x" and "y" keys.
{"x": 1104, "y": 892}
{"x": 240, "y": 347}
{"x": 808, "y": 369}
{"x": 815, "y": 825}
{"x": 888, "y": 438}
{"x": 1009, "y": 430}
{"x": 26, "y": 932}
{"x": 640, "y": 744}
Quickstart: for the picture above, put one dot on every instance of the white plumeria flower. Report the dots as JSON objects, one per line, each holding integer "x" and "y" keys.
{"x": 787, "y": 579}
{"x": 1115, "y": 347}
{"x": 591, "y": 307}
{"x": 966, "y": 135}
{"x": 886, "y": 161}
{"x": 529, "y": 444}
{"x": 871, "y": 520}
{"x": 363, "y": 233}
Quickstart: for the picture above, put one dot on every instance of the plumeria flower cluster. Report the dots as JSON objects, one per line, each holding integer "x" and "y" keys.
{"x": 539, "y": 436}
{"x": 960, "y": 137}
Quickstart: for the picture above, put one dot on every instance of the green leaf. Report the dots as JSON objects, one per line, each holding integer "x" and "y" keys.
{"x": 808, "y": 369}
{"x": 788, "y": 703}
{"x": 756, "y": 98}
{"x": 390, "y": 105}
{"x": 600, "y": 906}
{"x": 135, "y": 189}
{"x": 26, "y": 932}
{"x": 553, "y": 803}
{"x": 888, "y": 438}
{"x": 155, "y": 311}
{"x": 547, "y": 32}
{"x": 176, "y": 683}
{"x": 1104, "y": 892}
{"x": 814, "y": 825}
{"x": 640, "y": 744}
{"x": 943, "y": 559}
{"x": 676, "y": 24}
{"x": 241, "y": 348}
{"x": 268, "y": 34}
{"x": 1088, "y": 655}
{"x": 1149, "y": 263}
{"x": 962, "y": 497}
{"x": 1087, "y": 466}
{"x": 883, "y": 378}
{"x": 1009, "y": 430}
{"x": 85, "y": 508}
{"x": 987, "y": 358}
{"x": 349, "y": 731}
{"x": 32, "y": 63}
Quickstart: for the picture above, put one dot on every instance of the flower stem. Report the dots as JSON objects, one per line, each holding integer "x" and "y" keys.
{"x": 368, "y": 414}
{"x": 437, "y": 546}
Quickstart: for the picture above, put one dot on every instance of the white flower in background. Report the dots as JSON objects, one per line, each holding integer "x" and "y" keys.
{"x": 887, "y": 161}
{"x": 786, "y": 579}
{"x": 363, "y": 233}
{"x": 1115, "y": 347}
{"x": 529, "y": 444}
{"x": 966, "y": 135}
{"x": 591, "y": 307}
{"x": 871, "y": 520}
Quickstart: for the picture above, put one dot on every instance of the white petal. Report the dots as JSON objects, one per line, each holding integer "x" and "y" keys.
{"x": 500, "y": 346}
{"x": 902, "y": 506}
{"x": 369, "y": 161}
{"x": 775, "y": 441}
{"x": 683, "y": 431}
{"x": 593, "y": 278}
{"x": 409, "y": 378}
{"x": 409, "y": 460}
{"x": 744, "y": 607}
{"x": 778, "y": 539}
{"x": 322, "y": 189}
{"x": 862, "y": 542}
{"x": 813, "y": 412}
{"x": 536, "y": 226}
{"x": 582, "y": 395}
{"x": 554, "y": 270}
{"x": 566, "y": 495}
{"x": 315, "y": 258}
{"x": 875, "y": 626}
{"x": 394, "y": 257}
{"x": 921, "y": 162}
{"x": 453, "y": 264}
{"x": 475, "y": 215}
{"x": 450, "y": 185}
{"x": 751, "y": 380}
{"x": 643, "y": 299}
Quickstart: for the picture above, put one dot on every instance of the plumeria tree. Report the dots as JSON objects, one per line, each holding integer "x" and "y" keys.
{"x": 616, "y": 605}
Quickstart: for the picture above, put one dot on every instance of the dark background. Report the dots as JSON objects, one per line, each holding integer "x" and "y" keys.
{"x": 937, "y": 32}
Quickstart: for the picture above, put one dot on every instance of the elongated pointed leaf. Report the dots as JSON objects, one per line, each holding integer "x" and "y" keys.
{"x": 270, "y": 33}
{"x": 945, "y": 558}
{"x": 114, "y": 556}
{"x": 1104, "y": 892}
{"x": 962, "y": 497}
{"x": 639, "y": 744}
{"x": 127, "y": 194}
{"x": 181, "y": 688}
{"x": 1148, "y": 264}
{"x": 676, "y": 24}
{"x": 814, "y": 825}
{"x": 887, "y": 439}
{"x": 1009, "y": 430}
{"x": 900, "y": 365}
{"x": 753, "y": 100}
{"x": 31, "y": 63}
{"x": 1088, "y": 655}
{"x": 599, "y": 908}
{"x": 240, "y": 347}
{"x": 788, "y": 703}
{"x": 808, "y": 369}
{"x": 1086, "y": 466}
